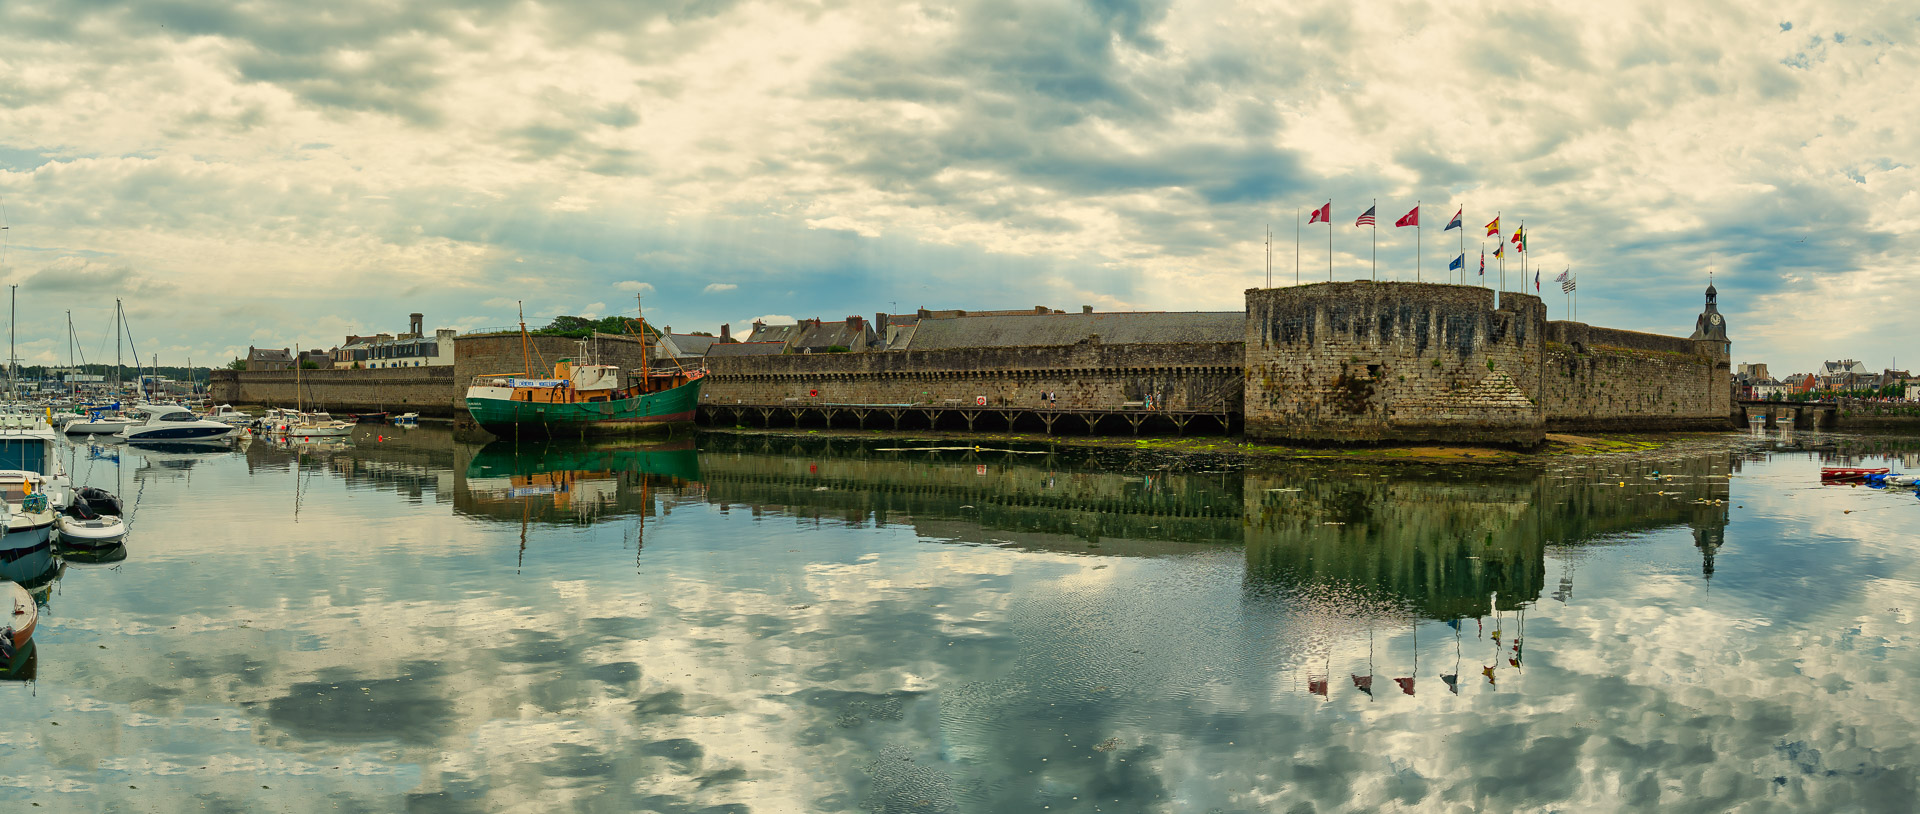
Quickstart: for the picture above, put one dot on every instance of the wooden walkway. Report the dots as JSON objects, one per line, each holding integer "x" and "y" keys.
{"x": 1001, "y": 418}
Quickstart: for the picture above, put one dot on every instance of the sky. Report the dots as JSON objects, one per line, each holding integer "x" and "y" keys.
{"x": 271, "y": 173}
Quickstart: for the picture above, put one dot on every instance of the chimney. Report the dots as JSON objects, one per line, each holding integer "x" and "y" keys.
{"x": 1039, "y": 309}
{"x": 416, "y": 320}
{"x": 726, "y": 331}
{"x": 1086, "y": 309}
{"x": 855, "y": 323}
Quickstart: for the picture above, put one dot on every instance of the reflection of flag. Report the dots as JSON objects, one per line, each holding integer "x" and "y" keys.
{"x": 1317, "y": 685}
{"x": 1406, "y": 684}
{"x": 1365, "y": 684}
{"x": 1322, "y": 215}
{"x": 1366, "y": 218}
{"x": 1453, "y": 623}
{"x": 1452, "y": 682}
{"x": 1493, "y": 228}
{"x": 1496, "y": 637}
{"x": 1409, "y": 219}
{"x": 1455, "y": 223}
{"x": 1458, "y": 262}
{"x": 1488, "y": 672}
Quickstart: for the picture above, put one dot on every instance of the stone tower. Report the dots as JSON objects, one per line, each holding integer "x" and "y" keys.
{"x": 1710, "y": 336}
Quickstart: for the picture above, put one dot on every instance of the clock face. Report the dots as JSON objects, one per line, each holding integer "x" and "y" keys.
{"x": 1715, "y": 319}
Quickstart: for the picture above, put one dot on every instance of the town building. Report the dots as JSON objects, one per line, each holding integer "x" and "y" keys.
{"x": 269, "y": 358}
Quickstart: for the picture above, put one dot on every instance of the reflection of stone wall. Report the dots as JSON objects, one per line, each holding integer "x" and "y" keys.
{"x": 1371, "y": 361}
{"x": 1088, "y": 375}
{"x": 1443, "y": 547}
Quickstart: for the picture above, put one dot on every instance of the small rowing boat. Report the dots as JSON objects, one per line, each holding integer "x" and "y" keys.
{"x": 1849, "y": 472}
{"x": 18, "y": 626}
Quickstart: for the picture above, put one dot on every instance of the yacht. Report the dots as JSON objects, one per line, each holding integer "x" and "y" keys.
{"x": 98, "y": 422}
{"x": 175, "y": 424}
{"x": 28, "y": 443}
{"x": 225, "y": 414}
{"x": 311, "y": 425}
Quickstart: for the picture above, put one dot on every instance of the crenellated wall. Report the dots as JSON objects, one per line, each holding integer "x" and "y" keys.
{"x": 1394, "y": 362}
{"x": 1088, "y": 375}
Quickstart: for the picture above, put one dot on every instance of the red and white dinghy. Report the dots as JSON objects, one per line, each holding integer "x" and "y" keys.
{"x": 1849, "y": 473}
{"x": 23, "y": 614}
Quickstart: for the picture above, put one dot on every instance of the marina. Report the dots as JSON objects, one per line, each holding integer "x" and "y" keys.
{"x": 741, "y": 619}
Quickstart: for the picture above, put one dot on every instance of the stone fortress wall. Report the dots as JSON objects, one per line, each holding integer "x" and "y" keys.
{"x": 1087, "y": 375}
{"x": 1359, "y": 362}
{"x": 1428, "y": 362}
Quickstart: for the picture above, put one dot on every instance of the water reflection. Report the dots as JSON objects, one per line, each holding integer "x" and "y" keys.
{"x": 740, "y": 623}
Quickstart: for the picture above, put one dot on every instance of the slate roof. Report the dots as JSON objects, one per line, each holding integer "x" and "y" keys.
{"x": 686, "y": 345}
{"x": 746, "y": 349}
{"x": 773, "y": 333}
{"x": 269, "y": 355}
{"x": 1035, "y": 330}
{"x": 819, "y": 337}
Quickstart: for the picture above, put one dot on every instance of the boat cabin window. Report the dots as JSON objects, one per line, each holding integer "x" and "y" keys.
{"x": 13, "y": 491}
{"x": 180, "y": 416}
{"x": 29, "y": 454}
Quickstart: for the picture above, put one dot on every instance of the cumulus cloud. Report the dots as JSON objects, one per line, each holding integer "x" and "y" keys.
{"x": 978, "y": 155}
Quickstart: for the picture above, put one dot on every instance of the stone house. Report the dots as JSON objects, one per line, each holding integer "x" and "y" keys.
{"x": 269, "y": 359}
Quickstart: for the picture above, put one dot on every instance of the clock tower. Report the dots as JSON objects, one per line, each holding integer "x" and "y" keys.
{"x": 1710, "y": 336}
{"x": 1711, "y": 325}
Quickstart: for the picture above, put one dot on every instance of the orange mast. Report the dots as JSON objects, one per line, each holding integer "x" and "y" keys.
{"x": 526, "y": 364}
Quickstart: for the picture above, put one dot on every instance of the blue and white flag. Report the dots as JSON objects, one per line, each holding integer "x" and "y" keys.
{"x": 1458, "y": 262}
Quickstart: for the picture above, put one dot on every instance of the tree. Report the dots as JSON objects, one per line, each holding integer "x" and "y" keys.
{"x": 306, "y": 364}
{"x": 237, "y": 364}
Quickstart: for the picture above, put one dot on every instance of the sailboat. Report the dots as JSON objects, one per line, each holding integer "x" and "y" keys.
{"x": 583, "y": 398}
{"x": 304, "y": 425}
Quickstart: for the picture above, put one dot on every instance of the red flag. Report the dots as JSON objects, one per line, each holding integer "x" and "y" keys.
{"x": 1322, "y": 215}
{"x": 1409, "y": 219}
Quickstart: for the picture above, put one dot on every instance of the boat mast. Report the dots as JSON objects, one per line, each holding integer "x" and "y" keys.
{"x": 118, "y": 340}
{"x": 526, "y": 363}
{"x": 72, "y": 385}
{"x": 640, "y": 310}
{"x": 13, "y": 315}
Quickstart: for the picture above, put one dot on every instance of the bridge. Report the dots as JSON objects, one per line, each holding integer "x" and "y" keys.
{"x": 1792, "y": 415}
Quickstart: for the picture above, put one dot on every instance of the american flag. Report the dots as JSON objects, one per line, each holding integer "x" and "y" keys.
{"x": 1367, "y": 218}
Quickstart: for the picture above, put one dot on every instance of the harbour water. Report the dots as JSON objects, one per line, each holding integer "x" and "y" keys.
{"x": 773, "y": 624}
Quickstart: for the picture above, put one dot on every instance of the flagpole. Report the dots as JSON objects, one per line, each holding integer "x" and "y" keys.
{"x": 1376, "y": 240}
{"x": 1296, "y": 245}
{"x": 1269, "y": 255}
{"x": 1463, "y": 245}
{"x": 1501, "y": 255}
{"x": 1416, "y": 241}
{"x": 1329, "y": 241}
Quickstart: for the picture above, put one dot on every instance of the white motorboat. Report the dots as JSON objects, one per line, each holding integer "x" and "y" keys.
{"x": 225, "y": 414}
{"x": 98, "y": 422}
{"x": 406, "y": 419}
{"x": 312, "y": 425}
{"x": 175, "y": 424}
{"x": 30, "y": 512}
{"x": 93, "y": 532}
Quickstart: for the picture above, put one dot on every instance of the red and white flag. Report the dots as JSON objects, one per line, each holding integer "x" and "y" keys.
{"x": 1322, "y": 215}
{"x": 1409, "y": 219}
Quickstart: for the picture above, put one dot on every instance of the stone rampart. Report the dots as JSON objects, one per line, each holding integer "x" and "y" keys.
{"x": 429, "y": 391}
{"x": 1088, "y": 375}
{"x": 1609, "y": 379}
{"x": 1394, "y": 362}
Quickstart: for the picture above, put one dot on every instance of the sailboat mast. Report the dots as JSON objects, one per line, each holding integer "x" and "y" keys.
{"x": 118, "y": 340}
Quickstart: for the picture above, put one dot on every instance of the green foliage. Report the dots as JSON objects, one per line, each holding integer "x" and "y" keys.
{"x": 582, "y": 327}
{"x": 309, "y": 365}
{"x": 836, "y": 349}
{"x": 237, "y": 364}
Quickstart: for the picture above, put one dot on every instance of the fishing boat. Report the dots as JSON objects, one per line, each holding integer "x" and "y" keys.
{"x": 1845, "y": 473}
{"x": 30, "y": 513}
{"x": 582, "y": 398}
{"x": 17, "y": 628}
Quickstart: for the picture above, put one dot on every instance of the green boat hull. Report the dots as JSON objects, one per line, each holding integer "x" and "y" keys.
{"x": 653, "y": 412}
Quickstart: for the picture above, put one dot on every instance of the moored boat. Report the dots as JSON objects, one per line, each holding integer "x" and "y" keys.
{"x": 1843, "y": 473}
{"x": 17, "y": 628}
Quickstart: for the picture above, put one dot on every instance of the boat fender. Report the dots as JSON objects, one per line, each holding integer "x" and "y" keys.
{"x": 6, "y": 643}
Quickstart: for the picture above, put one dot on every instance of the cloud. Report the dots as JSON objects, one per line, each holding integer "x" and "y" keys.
{"x": 300, "y": 158}
{"x": 715, "y": 288}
